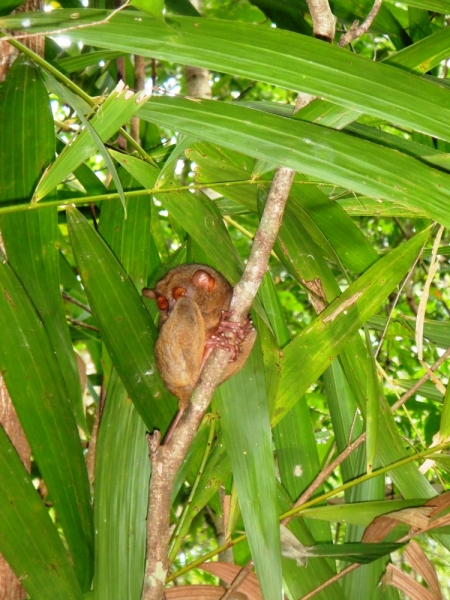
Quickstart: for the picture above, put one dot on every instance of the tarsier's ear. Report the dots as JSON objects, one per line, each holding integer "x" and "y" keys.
{"x": 203, "y": 279}
{"x": 149, "y": 293}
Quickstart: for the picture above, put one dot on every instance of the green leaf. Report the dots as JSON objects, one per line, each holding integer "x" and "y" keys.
{"x": 130, "y": 237}
{"x": 444, "y": 427}
{"x": 122, "y": 462}
{"x": 242, "y": 403}
{"x": 120, "y": 105}
{"x": 424, "y": 54}
{"x": 8, "y": 6}
{"x": 34, "y": 255}
{"x": 308, "y": 355}
{"x": 194, "y": 213}
{"x": 122, "y": 474}
{"x": 373, "y": 406}
{"x": 359, "y": 513}
{"x": 73, "y": 100}
{"x": 322, "y": 153}
{"x": 24, "y": 142}
{"x": 126, "y": 328}
{"x": 29, "y": 541}
{"x": 440, "y": 6}
{"x": 256, "y": 52}
{"x": 152, "y": 7}
{"x": 37, "y": 390}
{"x": 71, "y": 64}
{"x": 358, "y": 553}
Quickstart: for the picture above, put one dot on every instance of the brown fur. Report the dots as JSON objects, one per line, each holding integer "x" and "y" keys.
{"x": 188, "y": 322}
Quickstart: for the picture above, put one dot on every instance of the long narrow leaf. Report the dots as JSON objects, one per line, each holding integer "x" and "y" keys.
{"x": 120, "y": 105}
{"x": 272, "y": 55}
{"x": 28, "y": 539}
{"x": 34, "y": 381}
{"x": 127, "y": 329}
{"x": 307, "y": 356}
{"x": 242, "y": 402}
{"x": 34, "y": 255}
{"x": 327, "y": 155}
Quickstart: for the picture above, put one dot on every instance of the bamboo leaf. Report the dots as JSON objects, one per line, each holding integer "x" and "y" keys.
{"x": 242, "y": 403}
{"x": 126, "y": 328}
{"x": 34, "y": 256}
{"x": 122, "y": 463}
{"x": 360, "y": 513}
{"x": 37, "y": 390}
{"x": 307, "y": 356}
{"x": 359, "y": 553}
{"x": 328, "y": 155}
{"x": 121, "y": 496}
{"x": 28, "y": 539}
{"x": 120, "y": 105}
{"x": 257, "y": 52}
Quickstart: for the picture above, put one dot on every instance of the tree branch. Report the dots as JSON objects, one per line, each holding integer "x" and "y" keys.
{"x": 167, "y": 459}
{"x": 324, "y": 22}
{"x": 355, "y": 32}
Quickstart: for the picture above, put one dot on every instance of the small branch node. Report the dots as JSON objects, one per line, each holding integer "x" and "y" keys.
{"x": 154, "y": 442}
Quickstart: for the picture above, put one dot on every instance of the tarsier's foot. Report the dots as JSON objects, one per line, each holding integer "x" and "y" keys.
{"x": 229, "y": 335}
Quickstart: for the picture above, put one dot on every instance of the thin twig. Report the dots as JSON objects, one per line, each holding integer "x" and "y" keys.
{"x": 330, "y": 581}
{"x": 420, "y": 381}
{"x": 238, "y": 580}
{"x": 81, "y": 324}
{"x": 357, "y": 30}
{"x": 75, "y": 15}
{"x": 76, "y": 302}
{"x": 394, "y": 304}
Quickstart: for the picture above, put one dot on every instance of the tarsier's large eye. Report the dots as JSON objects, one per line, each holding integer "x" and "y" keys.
{"x": 162, "y": 302}
{"x": 179, "y": 292}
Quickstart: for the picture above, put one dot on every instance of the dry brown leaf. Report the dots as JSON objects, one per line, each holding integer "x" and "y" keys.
{"x": 228, "y": 572}
{"x": 420, "y": 563}
{"x": 417, "y": 517}
{"x": 291, "y": 547}
{"x": 204, "y": 592}
{"x": 441, "y": 522}
{"x": 378, "y": 529}
{"x": 409, "y": 586}
{"x": 439, "y": 503}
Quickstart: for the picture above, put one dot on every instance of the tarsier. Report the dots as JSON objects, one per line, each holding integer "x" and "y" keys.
{"x": 193, "y": 302}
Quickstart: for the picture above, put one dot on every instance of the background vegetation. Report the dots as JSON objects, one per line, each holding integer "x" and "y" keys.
{"x": 98, "y": 212}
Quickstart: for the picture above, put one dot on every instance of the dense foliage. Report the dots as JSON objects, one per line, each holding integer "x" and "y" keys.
{"x": 359, "y": 263}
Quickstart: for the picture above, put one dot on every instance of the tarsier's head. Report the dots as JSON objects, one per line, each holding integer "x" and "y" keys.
{"x": 200, "y": 283}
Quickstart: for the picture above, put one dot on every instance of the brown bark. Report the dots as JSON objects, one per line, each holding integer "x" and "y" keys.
{"x": 10, "y": 588}
{"x": 324, "y": 22}
{"x": 8, "y": 53}
{"x": 139, "y": 83}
